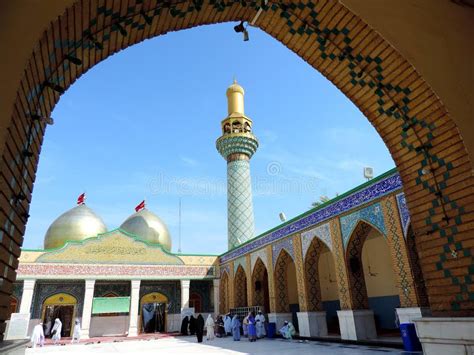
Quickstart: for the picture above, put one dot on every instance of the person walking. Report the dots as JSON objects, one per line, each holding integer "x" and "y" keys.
{"x": 76, "y": 335}
{"x": 37, "y": 338}
{"x": 252, "y": 331}
{"x": 210, "y": 328}
{"x": 260, "y": 325}
{"x": 56, "y": 331}
{"x": 199, "y": 328}
{"x": 236, "y": 328}
{"x": 245, "y": 325}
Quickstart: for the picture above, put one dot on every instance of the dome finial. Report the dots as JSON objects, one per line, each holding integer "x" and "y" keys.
{"x": 235, "y": 98}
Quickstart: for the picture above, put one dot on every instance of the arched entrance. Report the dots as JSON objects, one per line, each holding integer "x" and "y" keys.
{"x": 260, "y": 286}
{"x": 153, "y": 309}
{"x": 224, "y": 293}
{"x": 372, "y": 277}
{"x": 286, "y": 290}
{"x": 408, "y": 114}
{"x": 195, "y": 301}
{"x": 321, "y": 284}
{"x": 62, "y": 306}
{"x": 240, "y": 288}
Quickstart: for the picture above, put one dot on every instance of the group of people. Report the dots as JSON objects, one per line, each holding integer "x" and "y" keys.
{"x": 195, "y": 326}
{"x": 253, "y": 326}
{"x": 38, "y": 335}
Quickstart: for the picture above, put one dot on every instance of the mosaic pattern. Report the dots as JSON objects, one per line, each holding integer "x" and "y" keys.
{"x": 398, "y": 249}
{"x": 322, "y": 232}
{"x": 204, "y": 289}
{"x": 376, "y": 190}
{"x": 100, "y": 272}
{"x": 240, "y": 262}
{"x": 228, "y": 145}
{"x": 358, "y": 289}
{"x": 364, "y": 70}
{"x": 240, "y": 288}
{"x": 44, "y": 289}
{"x": 225, "y": 269}
{"x": 260, "y": 274}
{"x": 403, "y": 212}
{"x": 281, "y": 282}
{"x": 313, "y": 286}
{"x": 372, "y": 214}
{"x": 171, "y": 289}
{"x": 287, "y": 245}
{"x": 119, "y": 289}
{"x": 17, "y": 291}
{"x": 240, "y": 223}
{"x": 341, "y": 270}
{"x": 259, "y": 254}
{"x": 224, "y": 293}
{"x": 418, "y": 278}
{"x": 300, "y": 276}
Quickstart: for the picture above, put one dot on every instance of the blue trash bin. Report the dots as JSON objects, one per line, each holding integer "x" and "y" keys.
{"x": 409, "y": 337}
{"x": 271, "y": 330}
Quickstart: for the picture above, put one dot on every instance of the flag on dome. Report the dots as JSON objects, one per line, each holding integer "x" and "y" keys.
{"x": 81, "y": 199}
{"x": 140, "y": 206}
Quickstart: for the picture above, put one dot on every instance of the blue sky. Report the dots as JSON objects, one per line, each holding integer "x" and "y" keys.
{"x": 143, "y": 124}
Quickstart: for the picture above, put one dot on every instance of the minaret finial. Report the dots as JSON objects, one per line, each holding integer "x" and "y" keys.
{"x": 235, "y": 80}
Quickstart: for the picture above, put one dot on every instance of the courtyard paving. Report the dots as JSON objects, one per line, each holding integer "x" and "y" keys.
{"x": 189, "y": 345}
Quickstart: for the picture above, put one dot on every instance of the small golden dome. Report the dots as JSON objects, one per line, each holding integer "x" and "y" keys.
{"x": 77, "y": 224}
{"x": 235, "y": 88}
{"x": 148, "y": 227}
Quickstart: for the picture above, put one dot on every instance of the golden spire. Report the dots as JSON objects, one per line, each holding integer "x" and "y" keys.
{"x": 235, "y": 98}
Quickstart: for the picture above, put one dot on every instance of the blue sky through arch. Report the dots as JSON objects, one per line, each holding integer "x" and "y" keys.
{"x": 143, "y": 124}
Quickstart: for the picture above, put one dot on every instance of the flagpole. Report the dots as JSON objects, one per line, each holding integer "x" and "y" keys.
{"x": 179, "y": 227}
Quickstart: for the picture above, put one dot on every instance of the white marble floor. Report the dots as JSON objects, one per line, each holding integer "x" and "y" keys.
{"x": 188, "y": 345}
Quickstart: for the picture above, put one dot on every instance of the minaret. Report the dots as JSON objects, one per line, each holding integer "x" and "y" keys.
{"x": 237, "y": 145}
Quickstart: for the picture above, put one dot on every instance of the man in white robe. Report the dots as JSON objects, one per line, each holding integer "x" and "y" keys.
{"x": 260, "y": 325}
{"x": 209, "y": 328}
{"x": 76, "y": 335}
{"x": 56, "y": 331}
{"x": 37, "y": 338}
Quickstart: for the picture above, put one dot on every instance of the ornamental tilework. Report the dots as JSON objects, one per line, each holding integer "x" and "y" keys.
{"x": 341, "y": 270}
{"x": 376, "y": 190}
{"x": 322, "y": 232}
{"x": 17, "y": 291}
{"x": 120, "y": 289}
{"x": 240, "y": 288}
{"x": 311, "y": 270}
{"x": 262, "y": 254}
{"x": 260, "y": 274}
{"x": 171, "y": 289}
{"x": 44, "y": 289}
{"x": 300, "y": 276}
{"x": 372, "y": 214}
{"x": 240, "y": 223}
{"x": 286, "y": 244}
{"x": 204, "y": 290}
{"x": 240, "y": 262}
{"x": 404, "y": 213}
{"x": 225, "y": 268}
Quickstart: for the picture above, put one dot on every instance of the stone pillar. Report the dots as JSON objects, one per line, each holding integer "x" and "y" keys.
{"x": 216, "y": 286}
{"x": 27, "y": 296}
{"x": 185, "y": 293}
{"x": 357, "y": 324}
{"x": 407, "y": 315}
{"x": 134, "y": 304}
{"x": 312, "y": 324}
{"x": 87, "y": 309}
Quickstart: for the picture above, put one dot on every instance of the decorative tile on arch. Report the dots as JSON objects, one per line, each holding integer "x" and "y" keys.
{"x": 240, "y": 261}
{"x": 372, "y": 214}
{"x": 286, "y": 244}
{"x": 225, "y": 268}
{"x": 322, "y": 232}
{"x": 404, "y": 213}
{"x": 262, "y": 254}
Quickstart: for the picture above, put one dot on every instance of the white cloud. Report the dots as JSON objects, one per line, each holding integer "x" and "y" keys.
{"x": 189, "y": 161}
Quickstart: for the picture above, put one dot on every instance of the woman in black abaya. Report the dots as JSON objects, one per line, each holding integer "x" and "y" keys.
{"x": 199, "y": 328}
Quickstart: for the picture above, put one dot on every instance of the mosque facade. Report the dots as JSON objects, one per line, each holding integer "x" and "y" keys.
{"x": 348, "y": 267}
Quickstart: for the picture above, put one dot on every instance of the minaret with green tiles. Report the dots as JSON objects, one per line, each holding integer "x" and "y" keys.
{"x": 237, "y": 145}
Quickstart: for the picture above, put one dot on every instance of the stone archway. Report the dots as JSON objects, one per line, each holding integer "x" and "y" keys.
{"x": 260, "y": 286}
{"x": 409, "y": 116}
{"x": 240, "y": 288}
{"x": 224, "y": 293}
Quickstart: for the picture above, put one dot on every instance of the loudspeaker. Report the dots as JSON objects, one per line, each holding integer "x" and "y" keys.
{"x": 258, "y": 285}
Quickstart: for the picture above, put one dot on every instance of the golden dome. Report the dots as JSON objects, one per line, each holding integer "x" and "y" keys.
{"x": 77, "y": 224}
{"x": 148, "y": 227}
{"x": 235, "y": 88}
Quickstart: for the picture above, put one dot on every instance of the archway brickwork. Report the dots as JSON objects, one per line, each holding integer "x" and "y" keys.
{"x": 240, "y": 288}
{"x": 260, "y": 275}
{"x": 281, "y": 282}
{"x": 354, "y": 264}
{"x": 311, "y": 269}
{"x": 409, "y": 116}
{"x": 417, "y": 275}
{"x": 224, "y": 293}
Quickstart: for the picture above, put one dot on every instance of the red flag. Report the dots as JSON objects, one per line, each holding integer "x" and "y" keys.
{"x": 81, "y": 199}
{"x": 140, "y": 206}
